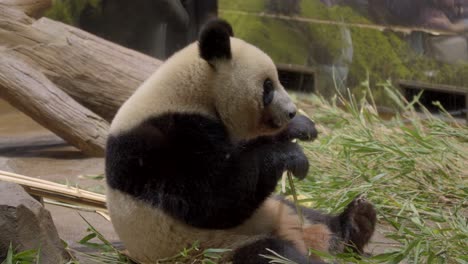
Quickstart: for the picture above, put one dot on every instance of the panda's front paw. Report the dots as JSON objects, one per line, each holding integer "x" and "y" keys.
{"x": 300, "y": 127}
{"x": 296, "y": 161}
{"x": 358, "y": 221}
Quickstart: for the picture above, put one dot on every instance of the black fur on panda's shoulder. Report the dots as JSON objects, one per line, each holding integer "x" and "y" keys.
{"x": 214, "y": 40}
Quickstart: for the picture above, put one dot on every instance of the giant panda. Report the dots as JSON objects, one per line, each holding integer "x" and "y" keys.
{"x": 196, "y": 153}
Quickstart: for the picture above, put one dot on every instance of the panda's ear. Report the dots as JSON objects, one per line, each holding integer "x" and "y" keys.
{"x": 214, "y": 42}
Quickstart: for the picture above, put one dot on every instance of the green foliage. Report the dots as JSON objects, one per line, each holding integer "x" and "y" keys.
{"x": 316, "y": 9}
{"x": 272, "y": 36}
{"x": 31, "y": 256}
{"x": 195, "y": 254}
{"x": 105, "y": 251}
{"x": 378, "y": 53}
{"x": 276, "y": 258}
{"x": 454, "y": 74}
{"x": 244, "y": 5}
{"x": 68, "y": 11}
{"x": 412, "y": 167}
{"x": 322, "y": 48}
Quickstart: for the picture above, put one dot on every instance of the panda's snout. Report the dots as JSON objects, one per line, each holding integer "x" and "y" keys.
{"x": 282, "y": 113}
{"x": 288, "y": 108}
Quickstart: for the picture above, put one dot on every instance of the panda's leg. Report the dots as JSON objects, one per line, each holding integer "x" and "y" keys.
{"x": 276, "y": 218}
{"x": 353, "y": 228}
{"x": 318, "y": 236}
{"x": 306, "y": 234}
{"x": 251, "y": 253}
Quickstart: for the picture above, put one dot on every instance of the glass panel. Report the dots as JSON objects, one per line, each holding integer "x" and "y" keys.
{"x": 317, "y": 44}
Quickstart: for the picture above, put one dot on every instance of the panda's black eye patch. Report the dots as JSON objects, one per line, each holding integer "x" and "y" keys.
{"x": 268, "y": 92}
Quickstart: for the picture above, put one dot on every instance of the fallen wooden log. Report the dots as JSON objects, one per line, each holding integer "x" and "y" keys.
{"x": 98, "y": 74}
{"x": 29, "y": 90}
{"x": 33, "y": 8}
{"x": 66, "y": 79}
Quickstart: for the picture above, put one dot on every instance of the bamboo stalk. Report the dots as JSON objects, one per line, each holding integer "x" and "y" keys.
{"x": 100, "y": 211}
{"x": 55, "y": 191}
{"x": 74, "y": 206}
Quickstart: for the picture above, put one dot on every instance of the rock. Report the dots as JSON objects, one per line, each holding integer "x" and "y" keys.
{"x": 26, "y": 224}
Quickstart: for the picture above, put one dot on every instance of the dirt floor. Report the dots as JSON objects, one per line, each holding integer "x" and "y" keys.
{"x": 27, "y": 148}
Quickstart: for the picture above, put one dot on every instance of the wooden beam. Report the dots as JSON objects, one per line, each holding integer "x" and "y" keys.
{"x": 451, "y": 89}
{"x": 296, "y": 68}
{"x": 433, "y": 87}
{"x": 32, "y": 8}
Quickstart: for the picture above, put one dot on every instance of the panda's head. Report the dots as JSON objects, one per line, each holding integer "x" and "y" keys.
{"x": 248, "y": 97}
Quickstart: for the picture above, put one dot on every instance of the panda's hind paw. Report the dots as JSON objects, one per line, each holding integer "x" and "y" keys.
{"x": 358, "y": 221}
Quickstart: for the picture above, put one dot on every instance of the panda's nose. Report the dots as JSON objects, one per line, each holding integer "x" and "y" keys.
{"x": 292, "y": 114}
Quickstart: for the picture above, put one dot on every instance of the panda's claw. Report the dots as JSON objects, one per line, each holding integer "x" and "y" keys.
{"x": 362, "y": 198}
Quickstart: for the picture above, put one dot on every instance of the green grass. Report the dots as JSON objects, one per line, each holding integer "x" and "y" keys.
{"x": 31, "y": 256}
{"x": 414, "y": 168}
{"x": 105, "y": 252}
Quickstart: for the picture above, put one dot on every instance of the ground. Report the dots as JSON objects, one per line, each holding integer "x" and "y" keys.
{"x": 27, "y": 148}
